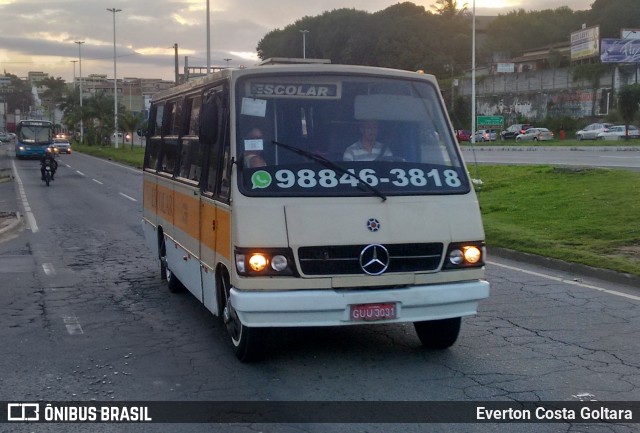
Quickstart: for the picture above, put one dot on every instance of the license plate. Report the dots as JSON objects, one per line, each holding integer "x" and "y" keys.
{"x": 373, "y": 311}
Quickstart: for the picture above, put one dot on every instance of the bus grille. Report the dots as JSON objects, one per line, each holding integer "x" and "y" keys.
{"x": 345, "y": 259}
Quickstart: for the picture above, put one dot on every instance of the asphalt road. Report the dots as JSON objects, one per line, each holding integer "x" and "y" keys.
{"x": 627, "y": 157}
{"x": 84, "y": 315}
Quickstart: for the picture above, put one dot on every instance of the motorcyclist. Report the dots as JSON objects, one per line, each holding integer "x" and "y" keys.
{"x": 49, "y": 159}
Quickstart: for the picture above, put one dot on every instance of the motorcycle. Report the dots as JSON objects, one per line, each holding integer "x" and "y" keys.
{"x": 47, "y": 174}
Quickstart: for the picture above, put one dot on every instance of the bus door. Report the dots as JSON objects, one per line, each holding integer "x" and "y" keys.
{"x": 150, "y": 186}
{"x": 186, "y": 196}
{"x": 215, "y": 215}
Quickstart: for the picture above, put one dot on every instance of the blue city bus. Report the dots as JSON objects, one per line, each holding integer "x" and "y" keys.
{"x": 33, "y": 137}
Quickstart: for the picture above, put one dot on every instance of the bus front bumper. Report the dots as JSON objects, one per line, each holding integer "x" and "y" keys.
{"x": 333, "y": 307}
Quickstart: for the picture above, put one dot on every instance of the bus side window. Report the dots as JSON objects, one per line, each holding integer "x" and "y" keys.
{"x": 153, "y": 137}
{"x": 192, "y": 151}
{"x": 170, "y": 129}
{"x": 213, "y": 111}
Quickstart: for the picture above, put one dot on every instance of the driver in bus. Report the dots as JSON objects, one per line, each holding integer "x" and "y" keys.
{"x": 367, "y": 148}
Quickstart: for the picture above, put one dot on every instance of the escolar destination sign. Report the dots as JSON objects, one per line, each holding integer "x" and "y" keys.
{"x": 296, "y": 90}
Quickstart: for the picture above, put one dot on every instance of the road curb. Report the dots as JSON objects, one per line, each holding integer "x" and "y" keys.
{"x": 13, "y": 226}
{"x": 561, "y": 265}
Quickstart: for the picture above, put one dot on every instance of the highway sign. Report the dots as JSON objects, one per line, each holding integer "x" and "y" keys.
{"x": 490, "y": 121}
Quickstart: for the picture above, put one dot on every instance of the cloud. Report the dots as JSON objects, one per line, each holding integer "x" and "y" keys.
{"x": 40, "y": 36}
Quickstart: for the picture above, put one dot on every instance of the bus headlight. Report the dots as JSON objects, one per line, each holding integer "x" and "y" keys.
{"x": 465, "y": 255}
{"x": 267, "y": 262}
{"x": 279, "y": 263}
{"x": 257, "y": 262}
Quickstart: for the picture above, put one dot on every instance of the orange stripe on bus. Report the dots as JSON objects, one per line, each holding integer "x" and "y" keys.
{"x": 183, "y": 210}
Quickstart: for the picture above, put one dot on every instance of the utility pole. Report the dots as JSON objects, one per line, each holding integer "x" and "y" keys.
{"x": 175, "y": 48}
{"x": 81, "y": 111}
{"x": 115, "y": 77}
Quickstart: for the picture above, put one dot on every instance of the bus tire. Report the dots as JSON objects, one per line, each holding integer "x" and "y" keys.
{"x": 438, "y": 334}
{"x": 249, "y": 344}
{"x": 174, "y": 284}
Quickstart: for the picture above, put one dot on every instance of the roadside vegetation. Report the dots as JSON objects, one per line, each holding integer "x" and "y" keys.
{"x": 127, "y": 154}
{"x": 586, "y": 216}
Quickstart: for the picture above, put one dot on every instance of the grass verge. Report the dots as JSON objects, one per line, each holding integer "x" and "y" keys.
{"x": 587, "y": 216}
{"x": 125, "y": 154}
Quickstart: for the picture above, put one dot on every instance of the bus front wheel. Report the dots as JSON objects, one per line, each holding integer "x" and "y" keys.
{"x": 249, "y": 344}
{"x": 438, "y": 334}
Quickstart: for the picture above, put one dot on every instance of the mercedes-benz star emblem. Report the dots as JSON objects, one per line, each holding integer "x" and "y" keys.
{"x": 374, "y": 259}
{"x": 373, "y": 224}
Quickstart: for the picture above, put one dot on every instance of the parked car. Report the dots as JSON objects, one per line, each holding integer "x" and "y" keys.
{"x": 535, "y": 134}
{"x": 590, "y": 132}
{"x": 619, "y": 132}
{"x": 486, "y": 135}
{"x": 513, "y": 130}
{"x": 4, "y": 137}
{"x": 463, "y": 135}
{"x": 61, "y": 145}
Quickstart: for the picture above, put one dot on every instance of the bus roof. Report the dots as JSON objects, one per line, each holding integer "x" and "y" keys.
{"x": 289, "y": 68}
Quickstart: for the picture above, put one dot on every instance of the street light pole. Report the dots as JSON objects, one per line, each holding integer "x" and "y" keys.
{"x": 304, "y": 43}
{"x": 208, "y": 40}
{"x": 81, "y": 111}
{"x": 115, "y": 76}
{"x": 473, "y": 75}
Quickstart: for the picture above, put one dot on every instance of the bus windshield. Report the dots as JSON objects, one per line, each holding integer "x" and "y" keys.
{"x": 35, "y": 133}
{"x": 322, "y": 135}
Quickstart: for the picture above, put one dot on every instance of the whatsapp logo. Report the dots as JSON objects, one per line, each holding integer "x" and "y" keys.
{"x": 261, "y": 179}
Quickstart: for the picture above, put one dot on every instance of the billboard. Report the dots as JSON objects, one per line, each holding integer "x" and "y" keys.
{"x": 620, "y": 51}
{"x": 585, "y": 43}
{"x": 507, "y": 68}
{"x": 630, "y": 34}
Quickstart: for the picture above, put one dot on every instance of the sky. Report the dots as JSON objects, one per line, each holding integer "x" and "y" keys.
{"x": 40, "y": 35}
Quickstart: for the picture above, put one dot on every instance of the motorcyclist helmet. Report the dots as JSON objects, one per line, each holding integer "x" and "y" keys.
{"x": 48, "y": 150}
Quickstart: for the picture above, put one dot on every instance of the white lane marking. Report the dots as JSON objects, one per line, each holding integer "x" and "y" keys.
{"x": 72, "y": 324}
{"x": 68, "y": 165}
{"x": 48, "y": 269}
{"x": 97, "y": 181}
{"x": 31, "y": 219}
{"x": 126, "y": 196}
{"x": 565, "y": 281}
{"x": 80, "y": 173}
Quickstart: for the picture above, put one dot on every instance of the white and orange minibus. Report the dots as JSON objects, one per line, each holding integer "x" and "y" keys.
{"x": 315, "y": 234}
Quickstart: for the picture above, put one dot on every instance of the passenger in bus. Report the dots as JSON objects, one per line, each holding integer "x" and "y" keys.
{"x": 367, "y": 148}
{"x": 253, "y": 145}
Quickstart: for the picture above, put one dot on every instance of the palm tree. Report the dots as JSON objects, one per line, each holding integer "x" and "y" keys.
{"x": 130, "y": 122}
{"x": 449, "y": 8}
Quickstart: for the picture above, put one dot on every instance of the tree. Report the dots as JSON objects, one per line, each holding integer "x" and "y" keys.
{"x": 629, "y": 103}
{"x": 54, "y": 94}
{"x": 18, "y": 96}
{"x": 130, "y": 122}
{"x": 613, "y": 15}
{"x": 449, "y": 8}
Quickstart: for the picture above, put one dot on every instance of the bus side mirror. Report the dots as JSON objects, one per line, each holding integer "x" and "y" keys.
{"x": 208, "y": 123}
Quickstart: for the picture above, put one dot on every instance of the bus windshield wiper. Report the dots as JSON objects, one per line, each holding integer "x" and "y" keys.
{"x": 330, "y": 164}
